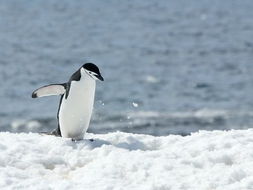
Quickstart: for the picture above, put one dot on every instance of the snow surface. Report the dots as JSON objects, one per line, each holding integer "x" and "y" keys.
{"x": 202, "y": 161}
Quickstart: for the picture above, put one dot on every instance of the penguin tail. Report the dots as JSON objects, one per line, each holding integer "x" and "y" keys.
{"x": 56, "y": 132}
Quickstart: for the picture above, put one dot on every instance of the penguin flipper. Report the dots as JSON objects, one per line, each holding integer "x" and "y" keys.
{"x": 50, "y": 90}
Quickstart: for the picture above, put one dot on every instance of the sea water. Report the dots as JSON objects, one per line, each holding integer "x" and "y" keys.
{"x": 170, "y": 66}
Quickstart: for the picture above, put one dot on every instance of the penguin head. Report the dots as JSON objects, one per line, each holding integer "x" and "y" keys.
{"x": 93, "y": 71}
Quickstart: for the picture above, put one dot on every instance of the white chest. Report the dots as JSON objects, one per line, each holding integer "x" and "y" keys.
{"x": 75, "y": 111}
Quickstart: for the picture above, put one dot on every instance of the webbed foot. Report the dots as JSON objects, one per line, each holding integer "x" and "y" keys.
{"x": 75, "y": 140}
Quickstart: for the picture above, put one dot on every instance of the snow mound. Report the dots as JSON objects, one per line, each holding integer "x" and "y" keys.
{"x": 205, "y": 160}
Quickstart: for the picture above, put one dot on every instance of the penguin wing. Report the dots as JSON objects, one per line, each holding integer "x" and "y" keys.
{"x": 50, "y": 90}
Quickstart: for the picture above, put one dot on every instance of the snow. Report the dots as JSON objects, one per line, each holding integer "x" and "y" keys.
{"x": 214, "y": 160}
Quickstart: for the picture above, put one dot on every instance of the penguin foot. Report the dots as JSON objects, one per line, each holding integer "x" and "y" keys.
{"x": 76, "y": 140}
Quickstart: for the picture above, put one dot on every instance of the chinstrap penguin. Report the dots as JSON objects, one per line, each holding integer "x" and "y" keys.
{"x": 76, "y": 102}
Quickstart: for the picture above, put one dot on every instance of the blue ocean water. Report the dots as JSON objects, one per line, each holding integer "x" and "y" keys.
{"x": 170, "y": 66}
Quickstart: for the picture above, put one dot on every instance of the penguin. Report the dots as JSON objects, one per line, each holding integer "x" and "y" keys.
{"x": 76, "y": 101}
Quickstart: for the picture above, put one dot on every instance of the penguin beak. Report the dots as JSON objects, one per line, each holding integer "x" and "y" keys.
{"x": 100, "y": 77}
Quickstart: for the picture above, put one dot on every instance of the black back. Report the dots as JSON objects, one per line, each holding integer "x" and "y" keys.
{"x": 75, "y": 77}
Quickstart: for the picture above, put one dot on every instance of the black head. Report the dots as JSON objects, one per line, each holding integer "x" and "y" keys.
{"x": 93, "y": 71}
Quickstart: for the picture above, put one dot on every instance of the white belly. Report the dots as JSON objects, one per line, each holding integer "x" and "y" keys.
{"x": 75, "y": 111}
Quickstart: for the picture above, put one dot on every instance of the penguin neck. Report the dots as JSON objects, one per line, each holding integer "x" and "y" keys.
{"x": 89, "y": 83}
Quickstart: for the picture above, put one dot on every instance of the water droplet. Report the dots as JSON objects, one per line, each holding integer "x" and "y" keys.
{"x": 135, "y": 104}
{"x": 151, "y": 79}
